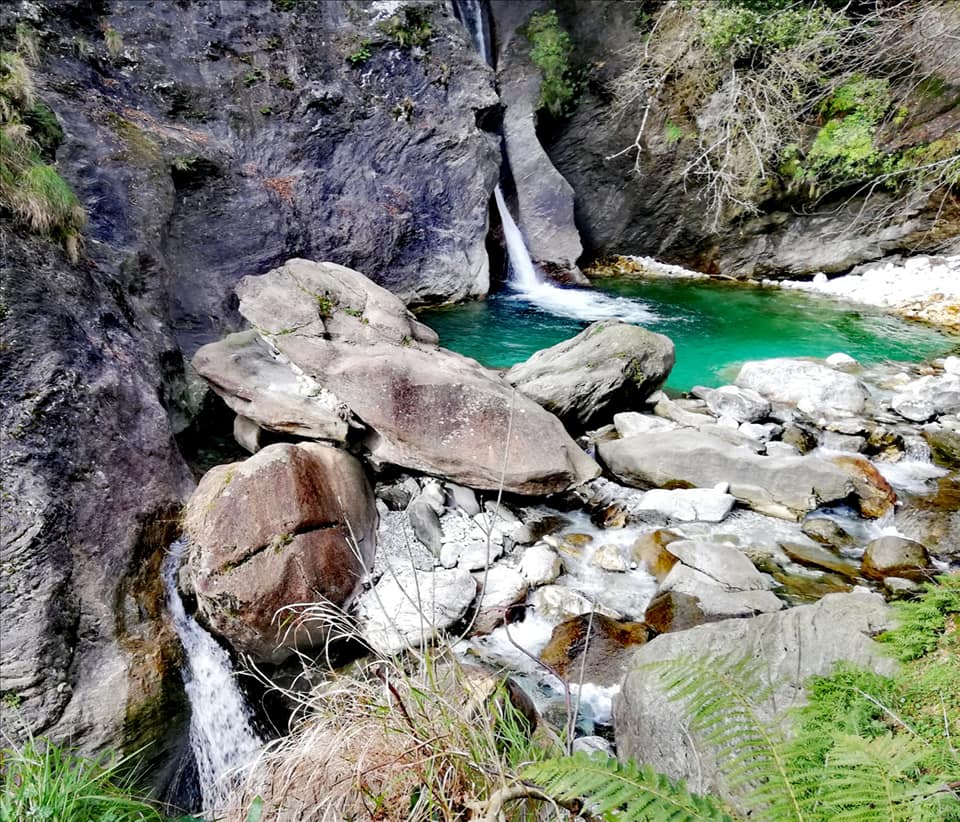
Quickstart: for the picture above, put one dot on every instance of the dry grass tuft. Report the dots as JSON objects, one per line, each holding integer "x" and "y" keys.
{"x": 432, "y": 739}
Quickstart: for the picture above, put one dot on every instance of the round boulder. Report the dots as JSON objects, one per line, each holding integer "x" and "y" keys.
{"x": 896, "y": 557}
{"x": 291, "y": 524}
{"x": 608, "y": 367}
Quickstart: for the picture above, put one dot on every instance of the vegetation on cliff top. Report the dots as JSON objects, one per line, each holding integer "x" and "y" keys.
{"x": 804, "y": 100}
{"x": 551, "y": 50}
{"x": 30, "y": 187}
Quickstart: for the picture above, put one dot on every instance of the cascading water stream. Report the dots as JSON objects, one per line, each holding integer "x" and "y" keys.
{"x": 473, "y": 16}
{"x": 577, "y": 303}
{"x": 221, "y": 737}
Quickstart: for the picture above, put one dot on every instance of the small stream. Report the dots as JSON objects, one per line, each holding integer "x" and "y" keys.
{"x": 222, "y": 738}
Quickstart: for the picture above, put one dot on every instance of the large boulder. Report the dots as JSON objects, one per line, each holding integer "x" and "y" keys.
{"x": 292, "y": 524}
{"x": 423, "y": 407}
{"x": 789, "y": 647}
{"x": 814, "y": 388}
{"x": 780, "y": 486}
{"x": 608, "y": 367}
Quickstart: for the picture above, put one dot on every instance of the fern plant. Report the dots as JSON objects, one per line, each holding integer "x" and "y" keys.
{"x": 623, "y": 791}
{"x": 865, "y": 746}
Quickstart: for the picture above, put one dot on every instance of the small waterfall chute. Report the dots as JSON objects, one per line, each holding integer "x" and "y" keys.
{"x": 577, "y": 303}
{"x": 222, "y": 738}
{"x": 473, "y": 15}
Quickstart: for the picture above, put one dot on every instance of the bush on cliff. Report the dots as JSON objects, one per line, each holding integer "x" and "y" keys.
{"x": 30, "y": 188}
{"x": 805, "y": 100}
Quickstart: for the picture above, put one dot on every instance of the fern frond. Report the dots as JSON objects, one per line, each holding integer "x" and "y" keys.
{"x": 722, "y": 699}
{"x": 879, "y": 779}
{"x": 621, "y": 790}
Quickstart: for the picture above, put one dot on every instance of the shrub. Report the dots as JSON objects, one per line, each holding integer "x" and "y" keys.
{"x": 790, "y": 98}
{"x": 409, "y": 28}
{"x": 551, "y": 50}
{"x": 30, "y": 189}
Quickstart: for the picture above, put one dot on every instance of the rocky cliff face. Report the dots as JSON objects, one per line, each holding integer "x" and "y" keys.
{"x": 207, "y": 141}
{"x": 654, "y": 211}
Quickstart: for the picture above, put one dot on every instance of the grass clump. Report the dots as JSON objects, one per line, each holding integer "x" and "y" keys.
{"x": 30, "y": 189}
{"x": 551, "y": 50}
{"x": 42, "y": 781}
{"x": 419, "y": 738}
{"x": 409, "y": 28}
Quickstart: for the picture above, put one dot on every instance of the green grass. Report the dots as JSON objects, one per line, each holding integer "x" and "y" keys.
{"x": 551, "y": 50}
{"x": 31, "y": 189}
{"x": 44, "y": 782}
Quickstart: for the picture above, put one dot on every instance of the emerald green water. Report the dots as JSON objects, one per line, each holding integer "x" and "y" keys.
{"x": 715, "y": 326}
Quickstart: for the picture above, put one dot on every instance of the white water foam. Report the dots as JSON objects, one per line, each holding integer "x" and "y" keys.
{"x": 576, "y": 303}
{"x": 221, "y": 737}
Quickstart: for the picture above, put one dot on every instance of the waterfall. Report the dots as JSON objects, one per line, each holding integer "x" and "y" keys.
{"x": 523, "y": 276}
{"x": 578, "y": 303}
{"x": 221, "y": 737}
{"x": 473, "y": 15}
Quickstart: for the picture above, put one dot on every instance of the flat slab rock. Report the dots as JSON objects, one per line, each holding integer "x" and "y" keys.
{"x": 781, "y": 486}
{"x": 790, "y": 646}
{"x": 423, "y": 407}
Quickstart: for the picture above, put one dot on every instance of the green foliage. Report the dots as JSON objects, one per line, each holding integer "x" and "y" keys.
{"x": 621, "y": 791}
{"x": 722, "y": 699}
{"x": 752, "y": 30}
{"x": 551, "y": 51}
{"x": 42, "y": 781}
{"x": 253, "y": 77}
{"x": 865, "y": 746}
{"x": 673, "y": 133}
{"x": 44, "y": 128}
{"x": 31, "y": 190}
{"x": 114, "y": 42}
{"x": 409, "y": 28}
{"x": 361, "y": 53}
{"x": 923, "y": 621}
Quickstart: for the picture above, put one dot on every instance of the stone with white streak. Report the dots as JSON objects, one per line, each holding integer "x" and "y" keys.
{"x": 688, "y": 504}
{"x": 631, "y": 423}
{"x": 742, "y": 404}
{"x": 409, "y": 608}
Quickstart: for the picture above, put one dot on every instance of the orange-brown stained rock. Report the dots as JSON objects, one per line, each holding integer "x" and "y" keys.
{"x": 651, "y": 551}
{"x": 893, "y": 556}
{"x": 605, "y": 647}
{"x": 674, "y": 611}
{"x": 874, "y": 493}
{"x": 289, "y": 525}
